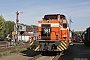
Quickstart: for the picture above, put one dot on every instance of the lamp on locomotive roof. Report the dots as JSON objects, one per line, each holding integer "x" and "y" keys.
{"x": 17, "y": 13}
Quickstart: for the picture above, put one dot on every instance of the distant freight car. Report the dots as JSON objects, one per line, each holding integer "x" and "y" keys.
{"x": 53, "y": 34}
{"x": 86, "y": 36}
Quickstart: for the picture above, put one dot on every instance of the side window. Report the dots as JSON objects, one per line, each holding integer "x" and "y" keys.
{"x": 64, "y": 21}
{"x": 20, "y": 27}
{"x": 61, "y": 21}
{"x": 64, "y": 24}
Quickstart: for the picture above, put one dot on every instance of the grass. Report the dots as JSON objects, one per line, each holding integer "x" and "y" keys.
{"x": 6, "y": 54}
{"x": 18, "y": 50}
{"x": 0, "y": 55}
{"x": 13, "y": 51}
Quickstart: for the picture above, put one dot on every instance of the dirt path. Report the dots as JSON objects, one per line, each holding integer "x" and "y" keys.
{"x": 19, "y": 56}
{"x": 45, "y": 58}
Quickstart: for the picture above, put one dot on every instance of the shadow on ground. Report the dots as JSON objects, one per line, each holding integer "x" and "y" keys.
{"x": 31, "y": 53}
{"x": 50, "y": 53}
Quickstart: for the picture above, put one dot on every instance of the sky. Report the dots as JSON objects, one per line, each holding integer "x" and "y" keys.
{"x": 34, "y": 10}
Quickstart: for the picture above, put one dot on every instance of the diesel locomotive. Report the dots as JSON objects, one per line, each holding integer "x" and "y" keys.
{"x": 52, "y": 35}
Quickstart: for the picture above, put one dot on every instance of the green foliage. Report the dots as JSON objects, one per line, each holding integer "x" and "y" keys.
{"x": 6, "y": 27}
{"x": 9, "y": 27}
{"x": 78, "y": 32}
{"x": 13, "y": 51}
{"x": 2, "y": 26}
{"x": 6, "y": 54}
{"x": 18, "y": 50}
{"x": 0, "y": 55}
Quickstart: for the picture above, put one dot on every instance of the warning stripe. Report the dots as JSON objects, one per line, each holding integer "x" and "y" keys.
{"x": 37, "y": 47}
{"x": 31, "y": 43}
{"x": 38, "y": 50}
{"x": 64, "y": 43}
{"x": 31, "y": 47}
{"x": 62, "y": 46}
{"x": 59, "y": 49}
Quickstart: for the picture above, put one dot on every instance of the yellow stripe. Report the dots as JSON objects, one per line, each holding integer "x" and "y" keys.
{"x": 31, "y": 47}
{"x": 63, "y": 46}
{"x": 34, "y": 48}
{"x": 64, "y": 43}
{"x": 37, "y": 47}
{"x": 59, "y": 48}
{"x": 31, "y": 43}
{"x": 38, "y": 50}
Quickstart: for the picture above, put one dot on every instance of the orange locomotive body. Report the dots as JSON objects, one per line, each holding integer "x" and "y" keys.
{"x": 53, "y": 34}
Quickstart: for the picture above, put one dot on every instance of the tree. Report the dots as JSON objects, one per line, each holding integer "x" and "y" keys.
{"x": 9, "y": 27}
{"x": 6, "y": 27}
{"x": 2, "y": 26}
{"x": 78, "y": 32}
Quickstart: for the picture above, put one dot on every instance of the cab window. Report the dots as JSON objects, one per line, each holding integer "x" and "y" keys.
{"x": 64, "y": 21}
{"x": 64, "y": 24}
{"x": 61, "y": 21}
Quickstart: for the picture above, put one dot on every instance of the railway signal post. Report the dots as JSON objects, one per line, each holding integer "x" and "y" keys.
{"x": 17, "y": 13}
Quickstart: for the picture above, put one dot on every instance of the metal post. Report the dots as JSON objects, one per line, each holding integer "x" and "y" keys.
{"x": 71, "y": 31}
{"x": 17, "y": 27}
{"x": 70, "y": 23}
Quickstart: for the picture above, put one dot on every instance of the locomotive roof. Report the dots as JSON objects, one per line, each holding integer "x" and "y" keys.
{"x": 53, "y": 16}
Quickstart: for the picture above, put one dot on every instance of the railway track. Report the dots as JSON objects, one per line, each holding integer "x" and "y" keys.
{"x": 14, "y": 47}
{"x": 41, "y": 57}
{"x": 57, "y": 56}
{"x": 36, "y": 57}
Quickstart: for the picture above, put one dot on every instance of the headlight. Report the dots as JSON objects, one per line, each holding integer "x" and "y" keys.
{"x": 64, "y": 35}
